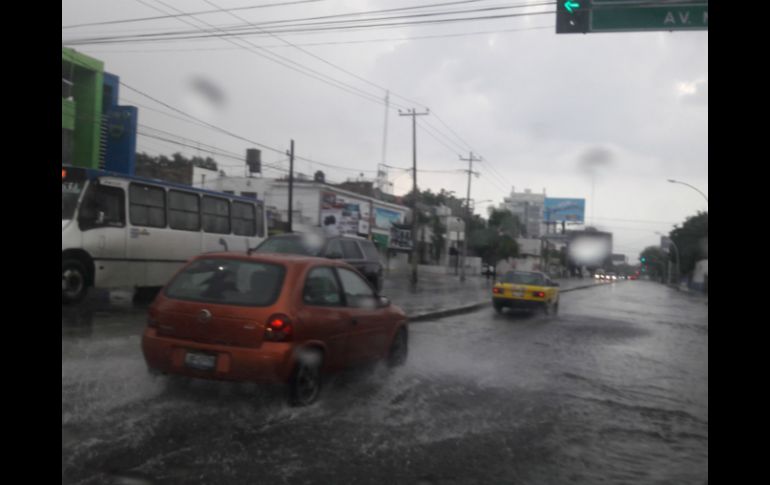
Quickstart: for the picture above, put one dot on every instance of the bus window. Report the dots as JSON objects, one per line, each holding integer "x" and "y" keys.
{"x": 244, "y": 219}
{"x": 260, "y": 220}
{"x": 183, "y": 211}
{"x": 216, "y": 215}
{"x": 102, "y": 206}
{"x": 148, "y": 205}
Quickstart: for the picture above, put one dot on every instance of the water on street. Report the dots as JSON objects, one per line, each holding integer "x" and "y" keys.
{"x": 612, "y": 390}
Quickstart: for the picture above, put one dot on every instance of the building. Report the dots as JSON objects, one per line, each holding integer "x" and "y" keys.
{"x": 96, "y": 132}
{"x": 529, "y": 208}
{"x": 619, "y": 259}
{"x": 320, "y": 206}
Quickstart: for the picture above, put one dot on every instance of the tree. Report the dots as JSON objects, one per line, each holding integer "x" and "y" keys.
{"x": 505, "y": 222}
{"x": 497, "y": 241}
{"x": 692, "y": 241}
{"x": 178, "y": 168}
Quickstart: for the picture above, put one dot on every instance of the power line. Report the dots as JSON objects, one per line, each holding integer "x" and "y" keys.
{"x": 327, "y": 79}
{"x": 235, "y": 9}
{"x": 313, "y": 55}
{"x": 286, "y": 62}
{"x": 347, "y": 42}
{"x": 307, "y": 28}
{"x": 229, "y": 133}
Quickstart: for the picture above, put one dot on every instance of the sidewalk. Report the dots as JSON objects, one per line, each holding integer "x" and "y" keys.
{"x": 441, "y": 295}
{"x": 691, "y": 291}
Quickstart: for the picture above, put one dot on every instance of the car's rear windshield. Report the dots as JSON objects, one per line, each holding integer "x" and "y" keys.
{"x": 287, "y": 245}
{"x": 370, "y": 250}
{"x": 229, "y": 282}
{"x": 524, "y": 278}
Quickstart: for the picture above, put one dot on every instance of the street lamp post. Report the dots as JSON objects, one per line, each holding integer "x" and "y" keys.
{"x": 692, "y": 187}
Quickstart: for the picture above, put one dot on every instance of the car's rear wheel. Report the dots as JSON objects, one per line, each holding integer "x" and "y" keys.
{"x": 399, "y": 349}
{"x": 305, "y": 381}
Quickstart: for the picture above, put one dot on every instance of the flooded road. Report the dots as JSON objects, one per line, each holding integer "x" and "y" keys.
{"x": 612, "y": 390}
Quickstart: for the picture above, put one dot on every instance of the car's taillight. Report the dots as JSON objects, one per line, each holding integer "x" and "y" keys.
{"x": 497, "y": 290}
{"x": 538, "y": 294}
{"x": 278, "y": 329}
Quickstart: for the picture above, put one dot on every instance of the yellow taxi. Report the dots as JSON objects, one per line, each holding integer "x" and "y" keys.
{"x": 526, "y": 290}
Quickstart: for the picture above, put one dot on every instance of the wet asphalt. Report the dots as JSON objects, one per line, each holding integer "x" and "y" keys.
{"x": 612, "y": 390}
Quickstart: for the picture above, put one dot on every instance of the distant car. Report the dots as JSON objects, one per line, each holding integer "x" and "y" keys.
{"x": 270, "y": 318}
{"x": 612, "y": 276}
{"x": 360, "y": 253}
{"x": 527, "y": 291}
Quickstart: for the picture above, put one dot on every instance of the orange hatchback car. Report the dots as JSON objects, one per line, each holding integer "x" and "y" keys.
{"x": 270, "y": 318}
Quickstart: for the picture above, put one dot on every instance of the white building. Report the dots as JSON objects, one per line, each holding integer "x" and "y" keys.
{"x": 319, "y": 206}
{"x": 528, "y": 207}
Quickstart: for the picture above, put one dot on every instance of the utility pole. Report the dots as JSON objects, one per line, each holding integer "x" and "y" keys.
{"x": 414, "y": 114}
{"x": 290, "y": 153}
{"x": 470, "y": 161}
{"x": 385, "y": 130}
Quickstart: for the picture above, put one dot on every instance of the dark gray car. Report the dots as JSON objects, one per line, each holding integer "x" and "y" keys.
{"x": 360, "y": 253}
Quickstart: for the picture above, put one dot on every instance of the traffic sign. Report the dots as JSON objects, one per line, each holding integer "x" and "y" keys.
{"x": 572, "y": 16}
{"x": 584, "y": 16}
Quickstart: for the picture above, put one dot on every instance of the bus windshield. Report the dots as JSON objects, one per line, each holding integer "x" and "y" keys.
{"x": 70, "y": 193}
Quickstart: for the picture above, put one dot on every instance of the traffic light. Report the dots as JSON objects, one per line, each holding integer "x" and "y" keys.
{"x": 572, "y": 16}
{"x": 643, "y": 259}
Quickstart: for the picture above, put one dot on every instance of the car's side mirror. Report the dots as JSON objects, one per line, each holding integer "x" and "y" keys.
{"x": 384, "y": 302}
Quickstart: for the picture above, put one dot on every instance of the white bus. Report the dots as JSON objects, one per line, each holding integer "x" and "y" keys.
{"x": 121, "y": 231}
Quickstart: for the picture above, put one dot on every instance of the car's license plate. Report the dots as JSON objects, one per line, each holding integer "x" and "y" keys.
{"x": 200, "y": 361}
{"x": 518, "y": 292}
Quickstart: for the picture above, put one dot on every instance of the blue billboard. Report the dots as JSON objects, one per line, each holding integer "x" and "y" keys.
{"x": 564, "y": 210}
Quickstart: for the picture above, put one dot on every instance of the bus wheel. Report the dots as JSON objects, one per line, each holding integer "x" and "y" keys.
{"x": 73, "y": 281}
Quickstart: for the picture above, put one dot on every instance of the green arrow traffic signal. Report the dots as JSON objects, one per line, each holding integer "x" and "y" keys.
{"x": 570, "y": 5}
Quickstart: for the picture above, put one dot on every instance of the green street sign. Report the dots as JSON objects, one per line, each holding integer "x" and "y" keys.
{"x": 635, "y": 19}
{"x": 588, "y": 16}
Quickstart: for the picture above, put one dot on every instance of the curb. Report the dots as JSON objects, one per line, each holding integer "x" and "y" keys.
{"x": 446, "y": 313}
{"x": 469, "y": 308}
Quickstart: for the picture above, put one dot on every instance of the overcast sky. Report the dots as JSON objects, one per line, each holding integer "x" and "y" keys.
{"x": 541, "y": 109}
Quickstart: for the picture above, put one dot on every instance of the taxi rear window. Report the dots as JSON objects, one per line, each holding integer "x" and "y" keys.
{"x": 228, "y": 282}
{"x": 524, "y": 278}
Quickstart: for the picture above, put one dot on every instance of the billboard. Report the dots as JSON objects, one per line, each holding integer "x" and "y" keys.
{"x": 344, "y": 215}
{"x": 384, "y": 218}
{"x": 564, "y": 210}
{"x": 392, "y": 233}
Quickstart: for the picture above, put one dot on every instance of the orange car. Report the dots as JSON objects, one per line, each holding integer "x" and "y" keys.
{"x": 270, "y": 318}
